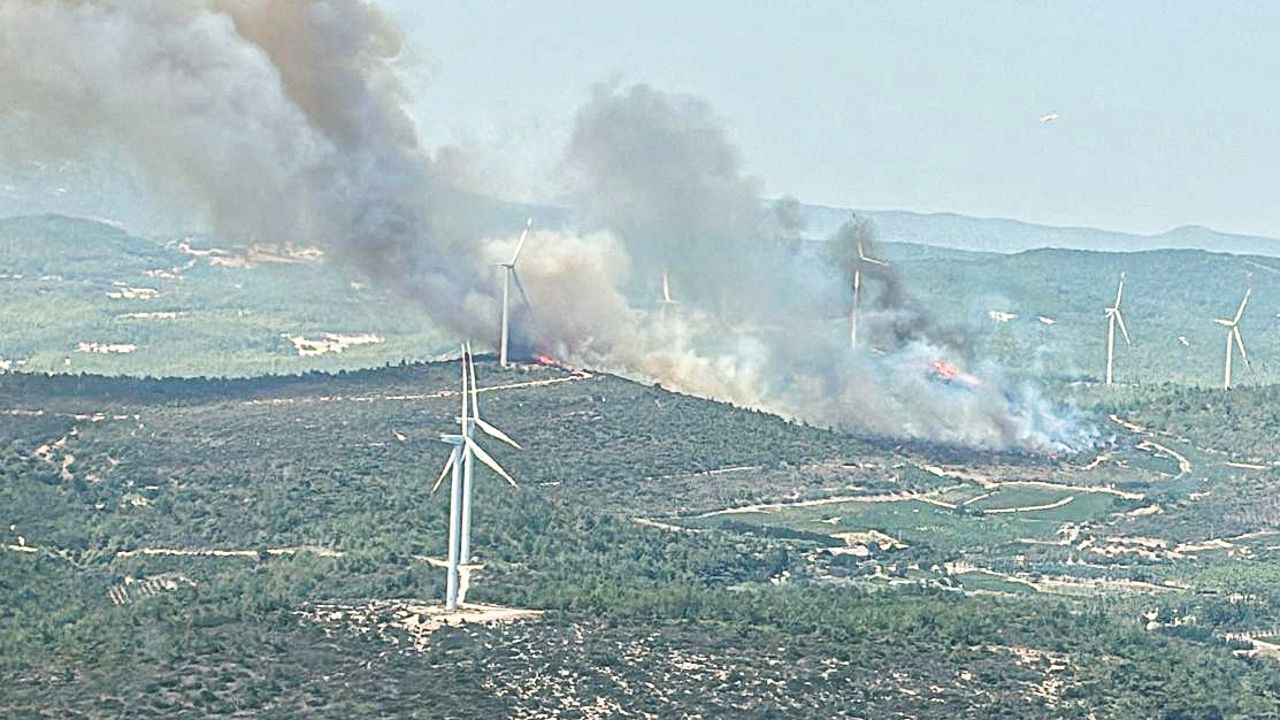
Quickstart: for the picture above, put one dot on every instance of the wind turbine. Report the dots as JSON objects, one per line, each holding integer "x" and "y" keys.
{"x": 464, "y": 549}
{"x": 1233, "y": 337}
{"x": 453, "y": 467}
{"x": 667, "y": 302}
{"x": 1114, "y": 318}
{"x": 510, "y": 275}
{"x": 857, "y": 292}
{"x": 459, "y": 467}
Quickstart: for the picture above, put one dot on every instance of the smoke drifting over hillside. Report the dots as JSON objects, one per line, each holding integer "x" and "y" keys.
{"x": 278, "y": 119}
{"x": 284, "y": 119}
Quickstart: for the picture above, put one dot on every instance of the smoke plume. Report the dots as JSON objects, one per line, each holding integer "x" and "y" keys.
{"x": 285, "y": 120}
{"x": 278, "y": 119}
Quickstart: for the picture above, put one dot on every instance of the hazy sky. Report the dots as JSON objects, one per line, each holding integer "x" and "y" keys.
{"x": 1168, "y": 111}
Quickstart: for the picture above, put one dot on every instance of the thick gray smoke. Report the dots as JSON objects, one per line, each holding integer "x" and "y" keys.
{"x": 278, "y": 118}
{"x": 755, "y": 321}
{"x": 284, "y": 120}
{"x": 894, "y": 318}
{"x": 656, "y": 170}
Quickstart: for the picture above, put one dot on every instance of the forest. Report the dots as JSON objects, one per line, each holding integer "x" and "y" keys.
{"x": 719, "y": 618}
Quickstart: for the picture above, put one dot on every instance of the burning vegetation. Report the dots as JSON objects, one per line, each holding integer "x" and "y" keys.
{"x": 304, "y": 98}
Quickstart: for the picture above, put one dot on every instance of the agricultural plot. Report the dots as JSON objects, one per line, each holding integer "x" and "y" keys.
{"x": 987, "y": 520}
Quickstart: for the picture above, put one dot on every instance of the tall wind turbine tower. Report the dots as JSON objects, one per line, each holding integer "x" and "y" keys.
{"x": 509, "y": 276}
{"x": 459, "y": 467}
{"x": 1234, "y": 338}
{"x": 1114, "y": 318}
{"x": 857, "y": 292}
{"x": 453, "y": 468}
{"x": 473, "y": 450}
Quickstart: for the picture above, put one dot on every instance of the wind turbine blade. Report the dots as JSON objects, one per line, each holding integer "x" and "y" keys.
{"x": 528, "y": 225}
{"x": 488, "y": 460}
{"x": 1119, "y": 291}
{"x": 495, "y": 433}
{"x": 1243, "y": 302}
{"x": 1124, "y": 330}
{"x": 1224, "y": 323}
{"x": 666, "y": 288}
{"x": 448, "y": 465}
{"x": 1235, "y": 332}
{"x": 870, "y": 260}
{"x": 524, "y": 295}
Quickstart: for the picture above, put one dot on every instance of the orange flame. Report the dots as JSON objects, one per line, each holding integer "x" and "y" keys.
{"x": 945, "y": 370}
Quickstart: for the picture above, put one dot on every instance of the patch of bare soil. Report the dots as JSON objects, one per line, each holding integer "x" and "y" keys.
{"x": 408, "y": 621}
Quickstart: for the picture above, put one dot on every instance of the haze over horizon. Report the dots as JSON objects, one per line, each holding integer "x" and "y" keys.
{"x": 903, "y": 106}
{"x": 897, "y": 108}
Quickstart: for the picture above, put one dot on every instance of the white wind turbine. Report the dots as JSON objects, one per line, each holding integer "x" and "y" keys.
{"x": 1234, "y": 338}
{"x": 667, "y": 302}
{"x": 1114, "y": 318}
{"x": 459, "y": 465}
{"x": 509, "y": 276}
{"x": 857, "y": 292}
{"x": 473, "y": 449}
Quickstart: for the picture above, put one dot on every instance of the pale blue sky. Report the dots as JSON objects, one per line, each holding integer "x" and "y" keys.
{"x": 1168, "y": 111}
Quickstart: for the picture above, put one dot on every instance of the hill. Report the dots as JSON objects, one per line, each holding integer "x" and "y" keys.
{"x": 84, "y": 296}
{"x": 212, "y": 547}
{"x": 1009, "y": 236}
{"x": 185, "y": 548}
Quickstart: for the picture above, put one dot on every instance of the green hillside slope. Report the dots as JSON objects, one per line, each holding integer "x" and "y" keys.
{"x": 315, "y": 490}
{"x": 191, "y": 307}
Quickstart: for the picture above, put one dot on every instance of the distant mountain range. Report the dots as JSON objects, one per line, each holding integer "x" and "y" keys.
{"x": 1008, "y": 236}
{"x": 122, "y": 199}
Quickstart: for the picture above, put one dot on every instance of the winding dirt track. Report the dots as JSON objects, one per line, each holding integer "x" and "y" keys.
{"x": 436, "y": 394}
{"x": 1031, "y": 508}
{"x": 211, "y": 552}
{"x": 1184, "y": 465}
{"x": 1135, "y": 428}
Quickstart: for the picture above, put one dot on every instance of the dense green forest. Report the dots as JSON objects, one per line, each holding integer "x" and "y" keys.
{"x": 720, "y": 618}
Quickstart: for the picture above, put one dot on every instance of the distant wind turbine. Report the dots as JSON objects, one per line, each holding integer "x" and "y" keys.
{"x": 667, "y": 301}
{"x": 1234, "y": 338}
{"x": 1048, "y": 118}
{"x": 857, "y": 292}
{"x": 1114, "y": 318}
{"x": 509, "y": 276}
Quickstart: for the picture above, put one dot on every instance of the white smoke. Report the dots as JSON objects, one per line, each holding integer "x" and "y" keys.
{"x": 285, "y": 120}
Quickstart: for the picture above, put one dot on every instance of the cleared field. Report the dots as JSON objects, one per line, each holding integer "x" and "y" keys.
{"x": 1002, "y": 516}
